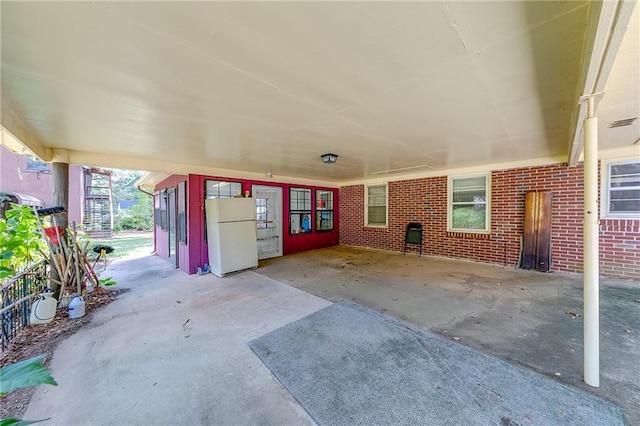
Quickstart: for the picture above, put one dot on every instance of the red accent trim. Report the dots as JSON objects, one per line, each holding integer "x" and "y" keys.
{"x": 195, "y": 253}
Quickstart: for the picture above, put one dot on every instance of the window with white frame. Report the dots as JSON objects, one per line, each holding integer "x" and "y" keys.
{"x": 621, "y": 195}
{"x": 376, "y": 205}
{"x": 469, "y": 203}
{"x": 221, "y": 189}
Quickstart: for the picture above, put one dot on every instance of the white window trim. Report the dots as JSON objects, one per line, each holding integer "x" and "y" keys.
{"x": 605, "y": 170}
{"x": 366, "y": 205}
{"x": 450, "y": 228}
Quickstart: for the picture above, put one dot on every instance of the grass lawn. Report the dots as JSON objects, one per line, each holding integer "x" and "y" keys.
{"x": 126, "y": 243}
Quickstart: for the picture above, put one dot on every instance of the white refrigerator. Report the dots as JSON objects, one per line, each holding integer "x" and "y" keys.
{"x": 231, "y": 234}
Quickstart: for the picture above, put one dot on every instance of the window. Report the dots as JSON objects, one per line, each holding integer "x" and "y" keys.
{"x": 221, "y": 189}
{"x": 164, "y": 220}
{"x": 157, "y": 212}
{"x": 299, "y": 211}
{"x": 324, "y": 210}
{"x": 182, "y": 211}
{"x": 469, "y": 203}
{"x": 376, "y": 203}
{"x": 35, "y": 164}
{"x": 262, "y": 213}
{"x": 622, "y": 195}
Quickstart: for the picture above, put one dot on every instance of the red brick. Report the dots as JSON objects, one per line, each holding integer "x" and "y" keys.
{"x": 425, "y": 201}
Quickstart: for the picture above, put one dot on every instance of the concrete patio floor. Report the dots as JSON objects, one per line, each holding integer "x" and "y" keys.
{"x": 528, "y": 318}
{"x": 173, "y": 350}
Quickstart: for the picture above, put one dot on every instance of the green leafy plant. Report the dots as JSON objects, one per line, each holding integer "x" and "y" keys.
{"x": 20, "y": 240}
{"x": 107, "y": 281}
{"x": 468, "y": 218}
{"x": 21, "y": 375}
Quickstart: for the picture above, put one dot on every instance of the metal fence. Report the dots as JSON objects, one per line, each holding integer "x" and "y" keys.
{"x": 17, "y": 297}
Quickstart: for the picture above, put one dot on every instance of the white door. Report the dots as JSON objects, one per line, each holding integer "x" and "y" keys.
{"x": 268, "y": 220}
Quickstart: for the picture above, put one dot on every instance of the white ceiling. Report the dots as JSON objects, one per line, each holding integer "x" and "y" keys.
{"x": 621, "y": 99}
{"x": 391, "y": 87}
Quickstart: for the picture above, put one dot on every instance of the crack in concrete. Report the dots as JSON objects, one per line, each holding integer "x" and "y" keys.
{"x": 448, "y": 322}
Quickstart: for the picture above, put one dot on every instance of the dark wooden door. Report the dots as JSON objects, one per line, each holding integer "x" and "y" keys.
{"x": 536, "y": 244}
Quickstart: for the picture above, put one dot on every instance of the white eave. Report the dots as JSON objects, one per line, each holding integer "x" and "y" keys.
{"x": 611, "y": 20}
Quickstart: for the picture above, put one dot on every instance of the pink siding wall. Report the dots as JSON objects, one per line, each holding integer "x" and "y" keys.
{"x": 76, "y": 194}
{"x": 162, "y": 243}
{"x": 183, "y": 256}
{"x": 195, "y": 223}
{"x": 39, "y": 185}
{"x": 162, "y": 236}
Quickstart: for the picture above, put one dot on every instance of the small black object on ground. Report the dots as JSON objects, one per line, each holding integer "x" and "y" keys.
{"x": 51, "y": 210}
{"x": 98, "y": 249}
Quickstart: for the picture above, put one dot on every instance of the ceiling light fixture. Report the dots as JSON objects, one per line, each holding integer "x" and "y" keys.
{"x": 329, "y": 158}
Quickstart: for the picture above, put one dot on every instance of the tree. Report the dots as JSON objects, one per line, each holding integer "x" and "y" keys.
{"x": 123, "y": 186}
{"x": 138, "y": 217}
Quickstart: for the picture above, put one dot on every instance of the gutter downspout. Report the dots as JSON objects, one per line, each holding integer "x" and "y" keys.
{"x": 139, "y": 188}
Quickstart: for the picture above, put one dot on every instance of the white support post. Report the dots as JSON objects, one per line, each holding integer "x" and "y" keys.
{"x": 591, "y": 248}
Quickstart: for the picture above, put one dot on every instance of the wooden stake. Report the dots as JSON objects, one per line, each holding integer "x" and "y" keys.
{"x": 77, "y": 258}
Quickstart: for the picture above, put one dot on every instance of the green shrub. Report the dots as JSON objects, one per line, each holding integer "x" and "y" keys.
{"x": 468, "y": 218}
{"x": 20, "y": 240}
{"x": 136, "y": 218}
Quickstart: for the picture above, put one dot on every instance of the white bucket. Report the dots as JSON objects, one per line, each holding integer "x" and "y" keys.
{"x": 76, "y": 307}
{"x": 44, "y": 309}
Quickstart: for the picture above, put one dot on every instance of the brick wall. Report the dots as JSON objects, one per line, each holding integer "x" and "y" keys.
{"x": 425, "y": 201}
